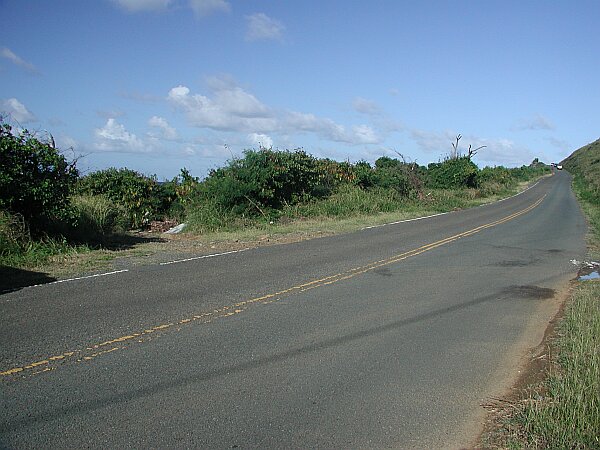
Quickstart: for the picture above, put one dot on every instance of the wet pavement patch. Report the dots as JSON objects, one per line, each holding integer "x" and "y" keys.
{"x": 530, "y": 292}
{"x": 383, "y": 271}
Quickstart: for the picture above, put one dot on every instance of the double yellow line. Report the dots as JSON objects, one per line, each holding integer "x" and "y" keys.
{"x": 112, "y": 345}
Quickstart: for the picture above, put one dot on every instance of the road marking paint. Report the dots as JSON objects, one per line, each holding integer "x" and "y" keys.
{"x": 405, "y": 220}
{"x": 79, "y": 278}
{"x": 202, "y": 257}
{"x": 239, "y": 307}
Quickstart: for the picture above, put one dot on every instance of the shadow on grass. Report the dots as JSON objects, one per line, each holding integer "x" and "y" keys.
{"x": 13, "y": 279}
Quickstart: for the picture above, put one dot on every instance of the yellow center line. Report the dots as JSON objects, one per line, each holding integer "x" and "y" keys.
{"x": 227, "y": 311}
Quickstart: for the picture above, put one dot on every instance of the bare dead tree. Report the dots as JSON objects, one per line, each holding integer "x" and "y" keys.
{"x": 410, "y": 169}
{"x": 474, "y": 151}
{"x": 456, "y": 152}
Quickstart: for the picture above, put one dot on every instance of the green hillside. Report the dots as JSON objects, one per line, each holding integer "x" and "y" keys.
{"x": 585, "y": 163}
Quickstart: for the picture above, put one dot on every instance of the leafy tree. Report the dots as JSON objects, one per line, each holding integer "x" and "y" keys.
{"x": 35, "y": 178}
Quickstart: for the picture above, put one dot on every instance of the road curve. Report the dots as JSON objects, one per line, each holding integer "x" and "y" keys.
{"x": 387, "y": 337}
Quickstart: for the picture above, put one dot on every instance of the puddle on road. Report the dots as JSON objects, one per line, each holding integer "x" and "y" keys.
{"x": 588, "y": 271}
{"x": 593, "y": 275}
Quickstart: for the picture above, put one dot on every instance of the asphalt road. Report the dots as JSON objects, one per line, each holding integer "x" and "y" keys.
{"x": 388, "y": 337}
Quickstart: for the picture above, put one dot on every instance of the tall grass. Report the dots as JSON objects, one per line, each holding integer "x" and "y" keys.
{"x": 18, "y": 249}
{"x": 96, "y": 216}
{"x": 348, "y": 201}
{"x": 566, "y": 411}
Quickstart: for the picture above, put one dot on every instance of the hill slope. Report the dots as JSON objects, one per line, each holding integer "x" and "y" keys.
{"x": 585, "y": 163}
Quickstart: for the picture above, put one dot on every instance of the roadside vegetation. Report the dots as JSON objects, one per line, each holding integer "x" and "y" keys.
{"x": 48, "y": 210}
{"x": 563, "y": 411}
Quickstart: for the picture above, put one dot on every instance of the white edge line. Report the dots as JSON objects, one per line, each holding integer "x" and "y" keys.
{"x": 81, "y": 278}
{"x": 202, "y": 257}
{"x": 406, "y": 220}
{"x": 448, "y": 212}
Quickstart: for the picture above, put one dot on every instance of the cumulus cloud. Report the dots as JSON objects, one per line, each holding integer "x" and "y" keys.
{"x": 228, "y": 107}
{"x": 364, "y": 134}
{"x": 17, "y": 60}
{"x": 17, "y": 111}
{"x": 260, "y": 140}
{"x": 114, "y": 137}
{"x": 228, "y": 110}
{"x": 365, "y": 106}
{"x": 143, "y": 5}
{"x": 206, "y": 7}
{"x": 537, "y": 122}
{"x": 262, "y": 27}
{"x": 167, "y": 131}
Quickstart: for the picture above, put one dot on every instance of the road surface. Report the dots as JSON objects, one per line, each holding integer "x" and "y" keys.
{"x": 388, "y": 337}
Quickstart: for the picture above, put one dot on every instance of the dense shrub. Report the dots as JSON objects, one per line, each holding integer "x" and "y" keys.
{"x": 35, "y": 179}
{"x": 143, "y": 197}
{"x": 268, "y": 179}
{"x": 454, "y": 173}
{"x": 394, "y": 174}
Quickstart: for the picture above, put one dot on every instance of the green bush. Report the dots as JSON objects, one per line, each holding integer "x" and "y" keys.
{"x": 143, "y": 197}
{"x": 394, "y": 174}
{"x": 35, "y": 179}
{"x": 454, "y": 173}
{"x": 267, "y": 179}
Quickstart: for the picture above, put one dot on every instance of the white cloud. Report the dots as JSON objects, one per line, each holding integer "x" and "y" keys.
{"x": 17, "y": 110}
{"x": 537, "y": 122}
{"x": 365, "y": 106}
{"x": 18, "y": 61}
{"x": 65, "y": 142}
{"x": 260, "y": 140}
{"x": 228, "y": 107}
{"x": 205, "y": 7}
{"x": 498, "y": 151}
{"x": 167, "y": 131}
{"x": 114, "y": 137}
{"x": 502, "y": 152}
{"x": 365, "y": 135}
{"x": 433, "y": 142}
{"x": 262, "y": 27}
{"x": 143, "y": 5}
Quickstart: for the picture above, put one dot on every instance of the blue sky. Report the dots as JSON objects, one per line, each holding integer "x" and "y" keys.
{"x": 157, "y": 85}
